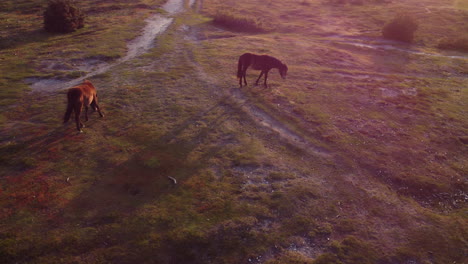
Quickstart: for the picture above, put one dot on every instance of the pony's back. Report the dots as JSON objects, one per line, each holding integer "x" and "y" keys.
{"x": 89, "y": 84}
{"x": 83, "y": 95}
{"x": 75, "y": 96}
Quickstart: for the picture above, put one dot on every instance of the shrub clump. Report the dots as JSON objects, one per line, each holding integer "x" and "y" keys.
{"x": 459, "y": 44}
{"x": 401, "y": 28}
{"x": 239, "y": 23}
{"x": 63, "y": 16}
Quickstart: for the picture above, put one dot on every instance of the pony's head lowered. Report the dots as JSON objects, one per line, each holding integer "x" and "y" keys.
{"x": 87, "y": 82}
{"x": 283, "y": 70}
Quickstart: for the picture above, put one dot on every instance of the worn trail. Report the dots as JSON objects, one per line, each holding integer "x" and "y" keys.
{"x": 155, "y": 25}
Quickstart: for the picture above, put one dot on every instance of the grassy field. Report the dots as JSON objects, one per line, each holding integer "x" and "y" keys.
{"x": 359, "y": 156}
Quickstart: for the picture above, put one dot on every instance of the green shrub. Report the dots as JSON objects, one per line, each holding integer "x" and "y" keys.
{"x": 401, "y": 28}
{"x": 239, "y": 23}
{"x": 460, "y": 44}
{"x": 62, "y": 16}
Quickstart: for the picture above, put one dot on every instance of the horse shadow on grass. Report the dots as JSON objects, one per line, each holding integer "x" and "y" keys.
{"x": 103, "y": 190}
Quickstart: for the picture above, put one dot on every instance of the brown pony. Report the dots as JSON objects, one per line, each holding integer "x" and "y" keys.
{"x": 262, "y": 63}
{"x": 79, "y": 96}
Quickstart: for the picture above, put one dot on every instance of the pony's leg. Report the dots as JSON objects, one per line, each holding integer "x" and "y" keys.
{"x": 243, "y": 73}
{"x": 245, "y": 78}
{"x": 266, "y": 77}
{"x": 79, "y": 125}
{"x": 95, "y": 106}
{"x": 86, "y": 113}
{"x": 261, "y": 74}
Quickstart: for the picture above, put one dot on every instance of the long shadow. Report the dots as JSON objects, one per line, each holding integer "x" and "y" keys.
{"x": 144, "y": 178}
{"x": 24, "y": 37}
{"x": 173, "y": 133}
{"x": 116, "y": 190}
{"x": 34, "y": 138}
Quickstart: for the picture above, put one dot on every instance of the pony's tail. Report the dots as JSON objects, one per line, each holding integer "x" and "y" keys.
{"x": 69, "y": 110}
{"x": 239, "y": 68}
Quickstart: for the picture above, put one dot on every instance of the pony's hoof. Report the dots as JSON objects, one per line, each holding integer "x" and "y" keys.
{"x": 81, "y": 131}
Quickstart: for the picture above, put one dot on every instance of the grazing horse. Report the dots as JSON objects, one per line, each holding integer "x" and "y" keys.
{"x": 79, "y": 96}
{"x": 262, "y": 63}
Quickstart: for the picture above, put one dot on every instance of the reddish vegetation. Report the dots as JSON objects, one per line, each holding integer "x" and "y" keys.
{"x": 31, "y": 191}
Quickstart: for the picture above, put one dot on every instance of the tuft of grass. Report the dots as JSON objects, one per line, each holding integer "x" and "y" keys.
{"x": 462, "y": 4}
{"x": 442, "y": 242}
{"x": 279, "y": 176}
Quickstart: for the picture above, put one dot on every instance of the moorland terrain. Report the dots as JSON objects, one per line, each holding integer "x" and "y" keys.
{"x": 359, "y": 156}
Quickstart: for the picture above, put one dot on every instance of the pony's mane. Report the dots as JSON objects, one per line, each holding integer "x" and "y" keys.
{"x": 280, "y": 63}
{"x": 275, "y": 59}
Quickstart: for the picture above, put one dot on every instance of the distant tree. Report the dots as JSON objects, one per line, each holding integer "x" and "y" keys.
{"x": 63, "y": 16}
{"x": 401, "y": 28}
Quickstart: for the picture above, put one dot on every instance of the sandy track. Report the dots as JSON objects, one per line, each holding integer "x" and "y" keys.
{"x": 155, "y": 25}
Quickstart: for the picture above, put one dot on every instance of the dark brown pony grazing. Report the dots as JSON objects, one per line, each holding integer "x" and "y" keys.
{"x": 79, "y": 96}
{"x": 262, "y": 63}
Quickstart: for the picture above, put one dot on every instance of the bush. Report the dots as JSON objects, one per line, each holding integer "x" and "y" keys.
{"x": 401, "y": 28}
{"x": 239, "y": 23}
{"x": 62, "y": 16}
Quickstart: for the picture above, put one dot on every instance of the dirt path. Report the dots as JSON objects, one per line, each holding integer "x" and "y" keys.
{"x": 333, "y": 184}
{"x": 392, "y": 46}
{"x": 299, "y": 138}
{"x": 266, "y": 120}
{"x": 259, "y": 116}
{"x": 155, "y": 25}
